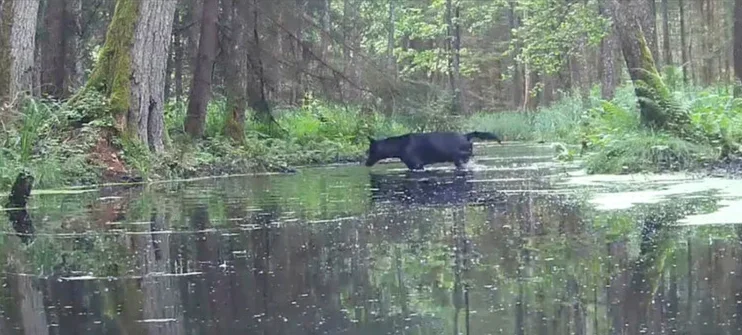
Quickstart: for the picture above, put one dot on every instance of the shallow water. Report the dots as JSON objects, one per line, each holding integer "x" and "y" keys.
{"x": 520, "y": 244}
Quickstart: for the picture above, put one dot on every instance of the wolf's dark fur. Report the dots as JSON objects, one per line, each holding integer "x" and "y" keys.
{"x": 419, "y": 149}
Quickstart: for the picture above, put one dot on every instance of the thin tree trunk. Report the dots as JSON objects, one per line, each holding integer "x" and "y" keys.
{"x": 236, "y": 74}
{"x": 74, "y": 47}
{"x": 666, "y": 34}
{"x": 256, "y": 94}
{"x": 517, "y": 84}
{"x": 649, "y": 24}
{"x": 391, "y": 62}
{"x": 178, "y": 55}
{"x": 325, "y": 42}
{"x": 454, "y": 35}
{"x": 169, "y": 69}
{"x": 390, "y": 40}
{"x": 299, "y": 51}
{"x": 52, "y": 49}
{"x": 708, "y": 43}
{"x": 607, "y": 57}
{"x": 350, "y": 47}
{"x": 738, "y": 41}
{"x": 60, "y": 67}
{"x": 200, "y": 93}
{"x": 683, "y": 43}
{"x": 17, "y": 46}
{"x": 195, "y": 16}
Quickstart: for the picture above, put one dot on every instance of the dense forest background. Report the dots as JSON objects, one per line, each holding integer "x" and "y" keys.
{"x": 162, "y": 68}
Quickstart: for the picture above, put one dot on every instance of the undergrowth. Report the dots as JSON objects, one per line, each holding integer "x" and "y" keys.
{"x": 618, "y": 143}
{"x": 54, "y": 140}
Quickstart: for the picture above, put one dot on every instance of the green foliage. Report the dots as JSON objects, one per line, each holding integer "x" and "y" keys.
{"x": 717, "y": 116}
{"x": 551, "y": 29}
{"x": 553, "y": 123}
{"x": 620, "y": 143}
{"x": 38, "y": 141}
{"x": 646, "y": 152}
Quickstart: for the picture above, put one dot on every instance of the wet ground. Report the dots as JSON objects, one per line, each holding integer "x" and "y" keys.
{"x": 518, "y": 245}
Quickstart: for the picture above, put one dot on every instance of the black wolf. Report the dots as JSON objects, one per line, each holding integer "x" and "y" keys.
{"x": 419, "y": 149}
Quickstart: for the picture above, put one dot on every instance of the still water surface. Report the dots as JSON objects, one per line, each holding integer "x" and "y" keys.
{"x": 507, "y": 248}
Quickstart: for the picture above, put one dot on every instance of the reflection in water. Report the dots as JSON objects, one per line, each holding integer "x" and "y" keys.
{"x": 430, "y": 188}
{"x": 17, "y": 212}
{"x": 491, "y": 251}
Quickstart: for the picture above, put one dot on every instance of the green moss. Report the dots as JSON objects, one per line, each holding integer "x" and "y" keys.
{"x": 112, "y": 74}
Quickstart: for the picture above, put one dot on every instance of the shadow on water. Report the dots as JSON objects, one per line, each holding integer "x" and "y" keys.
{"x": 345, "y": 250}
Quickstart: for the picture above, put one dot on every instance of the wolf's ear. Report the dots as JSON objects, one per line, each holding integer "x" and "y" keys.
{"x": 370, "y": 139}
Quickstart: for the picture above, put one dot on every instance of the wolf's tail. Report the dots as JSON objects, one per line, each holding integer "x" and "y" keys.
{"x": 482, "y": 136}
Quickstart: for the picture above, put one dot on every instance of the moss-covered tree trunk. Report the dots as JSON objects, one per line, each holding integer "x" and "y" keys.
{"x": 236, "y": 61}
{"x": 131, "y": 68}
{"x": 655, "y": 101}
{"x": 17, "y": 45}
{"x": 200, "y": 93}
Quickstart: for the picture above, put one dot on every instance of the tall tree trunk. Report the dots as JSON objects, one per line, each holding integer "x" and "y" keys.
{"x": 708, "y": 43}
{"x": 61, "y": 67}
{"x": 649, "y": 25}
{"x": 325, "y": 42}
{"x": 390, "y": 60}
{"x": 300, "y": 60}
{"x": 351, "y": 47}
{"x": 517, "y": 84}
{"x": 200, "y": 93}
{"x": 131, "y": 68}
{"x": 608, "y": 56}
{"x": 169, "y": 69}
{"x": 236, "y": 75}
{"x": 17, "y": 45}
{"x": 52, "y": 50}
{"x": 666, "y": 34}
{"x": 257, "y": 99}
{"x": 683, "y": 43}
{"x": 738, "y": 41}
{"x": 178, "y": 55}
{"x": 75, "y": 70}
{"x": 454, "y": 35}
{"x": 195, "y": 16}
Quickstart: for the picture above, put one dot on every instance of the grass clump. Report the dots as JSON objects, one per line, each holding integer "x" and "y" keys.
{"x": 553, "y": 123}
{"x": 33, "y": 140}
